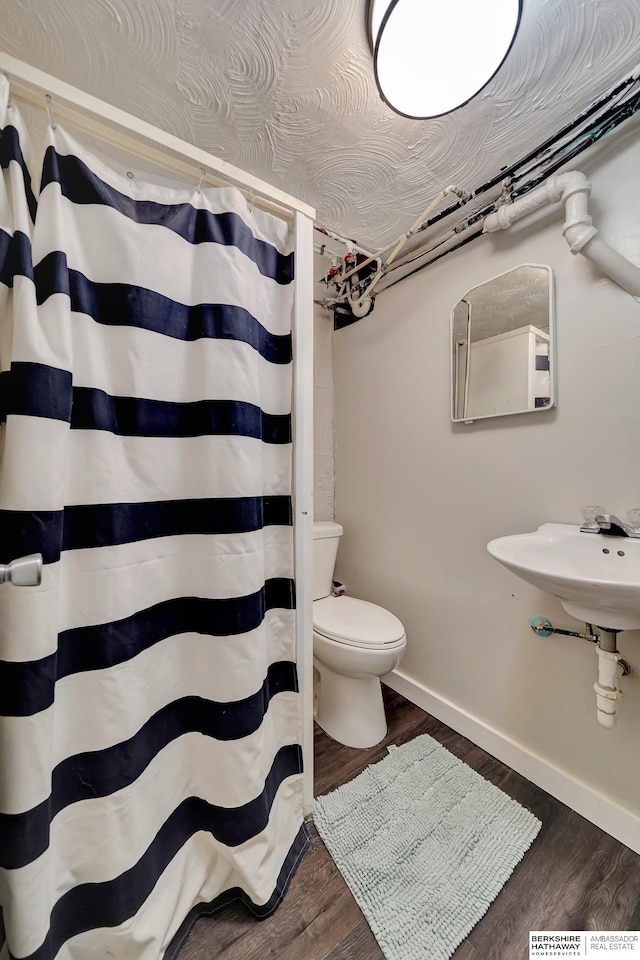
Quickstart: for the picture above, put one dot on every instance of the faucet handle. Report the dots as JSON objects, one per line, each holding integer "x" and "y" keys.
{"x": 589, "y": 515}
{"x": 633, "y": 516}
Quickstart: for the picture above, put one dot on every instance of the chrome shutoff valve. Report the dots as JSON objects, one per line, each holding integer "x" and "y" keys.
{"x": 24, "y": 572}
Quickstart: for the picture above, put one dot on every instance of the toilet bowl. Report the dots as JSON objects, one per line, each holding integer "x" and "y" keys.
{"x": 354, "y": 644}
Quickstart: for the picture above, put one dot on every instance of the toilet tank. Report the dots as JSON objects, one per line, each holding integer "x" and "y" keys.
{"x": 326, "y": 537}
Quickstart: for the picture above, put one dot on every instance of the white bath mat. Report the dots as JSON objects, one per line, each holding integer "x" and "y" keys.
{"x": 425, "y": 844}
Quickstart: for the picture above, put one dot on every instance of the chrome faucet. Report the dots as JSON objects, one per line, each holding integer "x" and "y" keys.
{"x": 609, "y": 524}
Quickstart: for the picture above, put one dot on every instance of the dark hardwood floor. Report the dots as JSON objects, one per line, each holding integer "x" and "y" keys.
{"x": 574, "y": 877}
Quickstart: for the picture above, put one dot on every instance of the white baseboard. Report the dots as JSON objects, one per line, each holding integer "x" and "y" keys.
{"x": 615, "y": 820}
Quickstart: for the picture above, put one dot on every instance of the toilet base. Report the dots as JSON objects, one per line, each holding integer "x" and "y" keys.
{"x": 350, "y": 709}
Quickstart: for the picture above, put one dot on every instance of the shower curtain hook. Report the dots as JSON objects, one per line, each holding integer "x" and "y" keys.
{"x": 203, "y": 174}
{"x": 252, "y": 197}
{"x": 52, "y": 119}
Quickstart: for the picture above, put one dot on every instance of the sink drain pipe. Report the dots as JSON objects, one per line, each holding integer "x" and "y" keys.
{"x": 611, "y": 666}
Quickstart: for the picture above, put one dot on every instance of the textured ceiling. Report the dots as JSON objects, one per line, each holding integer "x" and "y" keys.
{"x": 285, "y": 90}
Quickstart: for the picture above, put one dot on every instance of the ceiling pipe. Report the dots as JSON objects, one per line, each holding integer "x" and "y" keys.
{"x": 395, "y": 247}
{"x": 345, "y": 241}
{"x": 445, "y": 244}
{"x": 573, "y": 189}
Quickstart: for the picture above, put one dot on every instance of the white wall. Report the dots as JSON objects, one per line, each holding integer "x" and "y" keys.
{"x": 323, "y": 418}
{"x": 420, "y": 497}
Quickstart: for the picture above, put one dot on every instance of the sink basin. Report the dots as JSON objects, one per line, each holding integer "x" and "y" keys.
{"x": 596, "y": 577}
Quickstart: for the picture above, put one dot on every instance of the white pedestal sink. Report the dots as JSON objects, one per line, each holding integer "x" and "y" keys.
{"x": 596, "y": 577}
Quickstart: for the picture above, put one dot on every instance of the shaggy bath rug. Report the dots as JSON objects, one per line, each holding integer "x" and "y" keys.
{"x": 425, "y": 844}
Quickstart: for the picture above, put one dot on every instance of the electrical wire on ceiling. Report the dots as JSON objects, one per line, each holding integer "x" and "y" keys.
{"x": 603, "y": 116}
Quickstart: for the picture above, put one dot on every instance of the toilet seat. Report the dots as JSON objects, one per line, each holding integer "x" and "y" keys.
{"x": 356, "y": 623}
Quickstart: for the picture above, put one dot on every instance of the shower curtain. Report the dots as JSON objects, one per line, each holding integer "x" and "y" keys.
{"x": 150, "y": 760}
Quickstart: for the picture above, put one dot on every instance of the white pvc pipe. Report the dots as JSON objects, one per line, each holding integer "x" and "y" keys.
{"x": 397, "y": 245}
{"x": 343, "y": 240}
{"x": 607, "y": 686}
{"x": 443, "y": 246}
{"x": 509, "y": 213}
{"x": 625, "y": 273}
{"x": 425, "y": 248}
{"x": 573, "y": 189}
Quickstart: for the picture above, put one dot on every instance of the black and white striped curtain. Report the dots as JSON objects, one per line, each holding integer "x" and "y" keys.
{"x": 150, "y": 766}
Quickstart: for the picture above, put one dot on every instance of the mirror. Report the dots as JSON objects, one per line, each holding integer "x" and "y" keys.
{"x": 502, "y": 346}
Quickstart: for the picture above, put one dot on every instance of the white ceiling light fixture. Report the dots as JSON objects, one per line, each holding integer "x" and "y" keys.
{"x": 433, "y": 56}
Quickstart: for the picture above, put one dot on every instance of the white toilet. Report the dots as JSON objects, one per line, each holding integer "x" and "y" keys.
{"x": 354, "y": 644}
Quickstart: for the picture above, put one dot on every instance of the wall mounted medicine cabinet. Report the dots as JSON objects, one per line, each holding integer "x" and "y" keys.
{"x": 502, "y": 346}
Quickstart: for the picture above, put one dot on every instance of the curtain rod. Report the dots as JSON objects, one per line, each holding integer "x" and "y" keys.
{"x": 145, "y": 141}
